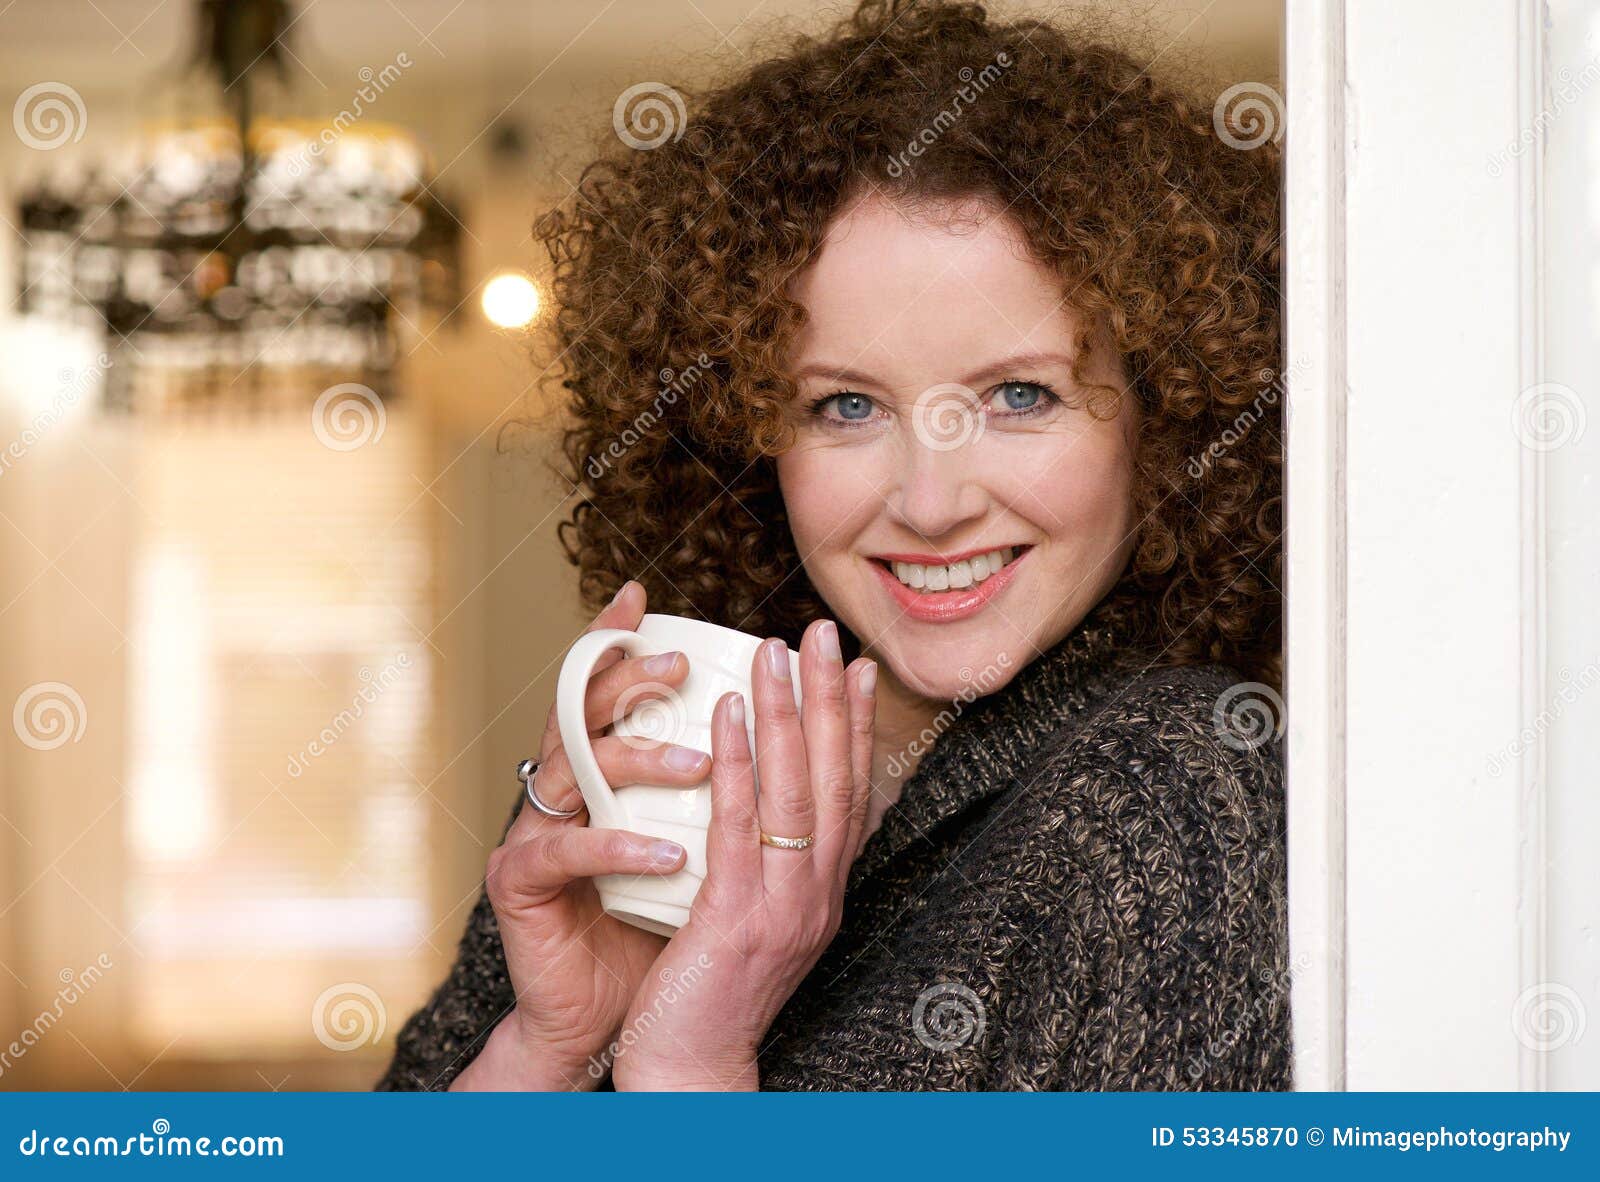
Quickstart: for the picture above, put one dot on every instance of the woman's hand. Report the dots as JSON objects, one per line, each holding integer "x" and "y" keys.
{"x": 574, "y": 968}
{"x": 763, "y": 915}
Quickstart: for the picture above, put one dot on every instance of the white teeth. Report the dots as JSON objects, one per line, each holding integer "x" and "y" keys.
{"x": 957, "y": 575}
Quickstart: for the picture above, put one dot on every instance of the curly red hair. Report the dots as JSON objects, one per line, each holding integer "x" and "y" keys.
{"x": 669, "y": 274}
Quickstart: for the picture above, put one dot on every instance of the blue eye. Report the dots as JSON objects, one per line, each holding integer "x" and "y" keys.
{"x": 1019, "y": 396}
{"x": 852, "y": 408}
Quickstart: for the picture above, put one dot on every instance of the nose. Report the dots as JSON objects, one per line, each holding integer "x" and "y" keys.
{"x": 937, "y": 490}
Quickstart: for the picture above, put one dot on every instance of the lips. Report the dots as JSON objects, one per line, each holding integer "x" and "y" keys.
{"x": 898, "y": 572}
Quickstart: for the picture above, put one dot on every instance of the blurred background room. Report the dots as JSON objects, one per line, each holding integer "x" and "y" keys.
{"x": 281, "y": 597}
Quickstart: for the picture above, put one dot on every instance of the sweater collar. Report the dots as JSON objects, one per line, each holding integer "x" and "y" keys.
{"x": 984, "y": 745}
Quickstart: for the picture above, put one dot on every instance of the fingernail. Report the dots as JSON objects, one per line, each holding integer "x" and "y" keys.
{"x": 665, "y": 853}
{"x": 867, "y": 679}
{"x": 685, "y": 759}
{"x": 828, "y": 640}
{"x": 778, "y": 659}
{"x": 660, "y": 664}
{"x": 736, "y": 710}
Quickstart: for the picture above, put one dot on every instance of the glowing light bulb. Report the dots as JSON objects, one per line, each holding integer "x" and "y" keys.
{"x": 510, "y": 300}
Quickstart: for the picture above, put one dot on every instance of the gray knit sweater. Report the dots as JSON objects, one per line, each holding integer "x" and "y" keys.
{"x": 1081, "y": 887}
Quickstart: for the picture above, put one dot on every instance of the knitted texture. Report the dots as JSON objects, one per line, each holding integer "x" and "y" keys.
{"x": 1081, "y": 887}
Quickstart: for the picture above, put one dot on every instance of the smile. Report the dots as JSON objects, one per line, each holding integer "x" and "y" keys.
{"x": 936, "y": 591}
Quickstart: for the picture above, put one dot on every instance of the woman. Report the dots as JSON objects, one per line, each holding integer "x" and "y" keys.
{"x": 971, "y": 329}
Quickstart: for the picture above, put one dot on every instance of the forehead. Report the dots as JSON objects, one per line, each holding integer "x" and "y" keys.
{"x": 914, "y": 290}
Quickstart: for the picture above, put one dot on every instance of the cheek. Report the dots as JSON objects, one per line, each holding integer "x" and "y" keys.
{"x": 1086, "y": 500}
{"x": 823, "y": 492}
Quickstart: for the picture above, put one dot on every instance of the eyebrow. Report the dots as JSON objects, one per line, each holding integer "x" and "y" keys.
{"x": 1011, "y": 366}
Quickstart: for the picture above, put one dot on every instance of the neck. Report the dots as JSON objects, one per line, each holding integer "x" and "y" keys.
{"x": 898, "y": 745}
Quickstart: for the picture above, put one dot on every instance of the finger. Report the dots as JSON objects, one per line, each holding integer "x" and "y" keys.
{"x": 861, "y": 682}
{"x": 622, "y": 761}
{"x": 733, "y": 839}
{"x": 625, "y": 610}
{"x": 622, "y": 686}
{"x": 783, "y": 798}
{"x": 536, "y": 871}
{"x": 825, "y": 727}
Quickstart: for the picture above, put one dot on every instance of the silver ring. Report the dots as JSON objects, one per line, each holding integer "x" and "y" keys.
{"x": 525, "y": 772}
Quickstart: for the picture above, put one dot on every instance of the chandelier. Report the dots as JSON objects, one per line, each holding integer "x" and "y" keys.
{"x": 239, "y": 258}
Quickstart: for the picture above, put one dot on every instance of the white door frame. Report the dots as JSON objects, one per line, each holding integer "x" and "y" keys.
{"x": 1414, "y": 534}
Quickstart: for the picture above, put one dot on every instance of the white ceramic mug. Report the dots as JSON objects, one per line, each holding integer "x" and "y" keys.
{"x": 719, "y": 663}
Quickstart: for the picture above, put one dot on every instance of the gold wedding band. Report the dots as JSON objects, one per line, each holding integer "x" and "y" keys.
{"x": 788, "y": 843}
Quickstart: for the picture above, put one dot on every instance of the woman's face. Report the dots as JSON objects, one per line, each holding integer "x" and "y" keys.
{"x": 952, "y": 498}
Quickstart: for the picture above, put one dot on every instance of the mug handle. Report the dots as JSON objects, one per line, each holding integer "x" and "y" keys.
{"x": 572, "y": 687}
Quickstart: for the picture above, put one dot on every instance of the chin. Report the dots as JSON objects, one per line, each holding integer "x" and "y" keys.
{"x": 946, "y": 662}
{"x": 985, "y": 673}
